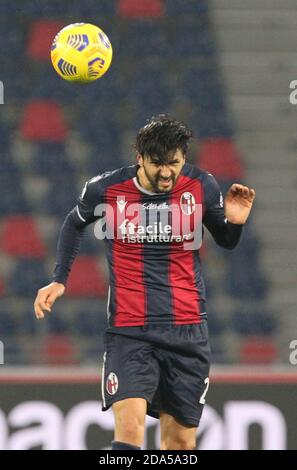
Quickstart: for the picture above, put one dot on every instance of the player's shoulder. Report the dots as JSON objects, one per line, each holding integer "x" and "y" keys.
{"x": 195, "y": 172}
{"x": 111, "y": 177}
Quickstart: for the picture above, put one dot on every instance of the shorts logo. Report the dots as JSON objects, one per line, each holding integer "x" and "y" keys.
{"x": 187, "y": 203}
{"x": 112, "y": 383}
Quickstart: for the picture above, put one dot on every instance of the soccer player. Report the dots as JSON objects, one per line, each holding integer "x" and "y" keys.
{"x": 151, "y": 216}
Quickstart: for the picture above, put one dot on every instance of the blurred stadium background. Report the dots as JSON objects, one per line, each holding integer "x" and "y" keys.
{"x": 222, "y": 66}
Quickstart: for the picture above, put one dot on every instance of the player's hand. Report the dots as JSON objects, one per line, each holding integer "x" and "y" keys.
{"x": 46, "y": 297}
{"x": 238, "y": 203}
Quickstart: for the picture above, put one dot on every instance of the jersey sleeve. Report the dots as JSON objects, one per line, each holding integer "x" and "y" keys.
{"x": 72, "y": 230}
{"x": 90, "y": 198}
{"x": 224, "y": 233}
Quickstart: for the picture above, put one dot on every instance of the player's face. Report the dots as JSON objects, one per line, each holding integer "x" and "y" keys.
{"x": 160, "y": 177}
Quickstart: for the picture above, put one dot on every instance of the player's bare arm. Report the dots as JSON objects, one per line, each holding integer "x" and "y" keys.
{"x": 46, "y": 297}
{"x": 238, "y": 203}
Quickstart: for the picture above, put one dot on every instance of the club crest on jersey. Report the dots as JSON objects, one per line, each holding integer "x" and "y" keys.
{"x": 187, "y": 203}
{"x": 112, "y": 383}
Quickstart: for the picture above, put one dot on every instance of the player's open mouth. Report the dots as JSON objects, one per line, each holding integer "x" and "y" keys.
{"x": 165, "y": 182}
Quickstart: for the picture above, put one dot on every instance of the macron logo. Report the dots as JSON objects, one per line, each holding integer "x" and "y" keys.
{"x": 121, "y": 203}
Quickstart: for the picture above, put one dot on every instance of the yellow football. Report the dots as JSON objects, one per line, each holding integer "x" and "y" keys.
{"x": 81, "y": 53}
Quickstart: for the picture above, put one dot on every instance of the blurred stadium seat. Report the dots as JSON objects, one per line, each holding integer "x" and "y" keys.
{"x": 43, "y": 121}
{"x": 46, "y": 85}
{"x": 8, "y": 324}
{"x": 253, "y": 322}
{"x": 258, "y": 350}
{"x": 90, "y": 9}
{"x": 41, "y": 36}
{"x": 221, "y": 158}
{"x": 51, "y": 160}
{"x": 143, "y": 39}
{"x": 12, "y": 202}
{"x": 2, "y": 288}
{"x": 147, "y": 95}
{"x": 62, "y": 195}
{"x": 188, "y": 7}
{"x": 192, "y": 39}
{"x": 27, "y": 324}
{"x": 27, "y": 278}
{"x": 143, "y": 9}
{"x": 244, "y": 278}
{"x": 56, "y": 324}
{"x": 58, "y": 350}
{"x": 53, "y": 9}
{"x": 12, "y": 37}
{"x": 20, "y": 237}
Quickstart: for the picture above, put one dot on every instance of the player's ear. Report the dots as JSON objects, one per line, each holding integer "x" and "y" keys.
{"x": 139, "y": 159}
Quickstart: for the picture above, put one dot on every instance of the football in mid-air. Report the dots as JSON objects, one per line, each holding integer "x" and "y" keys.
{"x": 81, "y": 53}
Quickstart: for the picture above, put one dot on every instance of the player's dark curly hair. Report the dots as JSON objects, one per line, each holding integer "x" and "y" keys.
{"x": 160, "y": 136}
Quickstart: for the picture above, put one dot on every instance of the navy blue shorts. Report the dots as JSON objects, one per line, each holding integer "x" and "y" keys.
{"x": 167, "y": 365}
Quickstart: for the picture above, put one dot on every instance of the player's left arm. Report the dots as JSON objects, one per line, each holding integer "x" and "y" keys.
{"x": 224, "y": 218}
{"x": 238, "y": 203}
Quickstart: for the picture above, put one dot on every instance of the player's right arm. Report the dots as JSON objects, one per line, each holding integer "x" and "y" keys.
{"x": 68, "y": 246}
{"x": 46, "y": 297}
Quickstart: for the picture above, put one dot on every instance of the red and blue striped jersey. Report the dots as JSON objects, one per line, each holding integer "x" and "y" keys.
{"x": 152, "y": 243}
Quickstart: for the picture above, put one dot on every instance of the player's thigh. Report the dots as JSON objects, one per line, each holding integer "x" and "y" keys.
{"x": 130, "y": 409}
{"x": 184, "y": 379}
{"x": 175, "y": 435}
{"x": 129, "y": 370}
